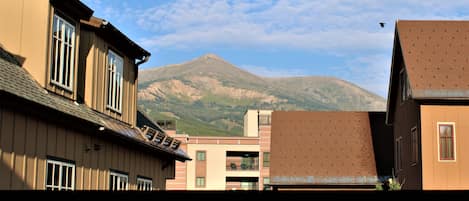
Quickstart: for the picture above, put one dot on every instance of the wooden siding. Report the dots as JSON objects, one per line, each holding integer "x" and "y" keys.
{"x": 445, "y": 175}
{"x": 25, "y": 33}
{"x": 26, "y": 141}
{"x": 94, "y": 52}
{"x": 406, "y": 116}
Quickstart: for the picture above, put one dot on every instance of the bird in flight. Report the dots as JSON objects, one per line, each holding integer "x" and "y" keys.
{"x": 382, "y": 24}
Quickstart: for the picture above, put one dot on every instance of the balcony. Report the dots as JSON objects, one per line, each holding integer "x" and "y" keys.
{"x": 242, "y": 161}
{"x": 242, "y": 183}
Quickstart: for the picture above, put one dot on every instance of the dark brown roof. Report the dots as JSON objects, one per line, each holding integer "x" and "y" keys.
{"x": 436, "y": 58}
{"x": 16, "y": 81}
{"x": 322, "y": 148}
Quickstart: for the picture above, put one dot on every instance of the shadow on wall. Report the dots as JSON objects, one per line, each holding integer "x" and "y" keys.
{"x": 9, "y": 179}
{"x": 14, "y": 58}
{"x": 383, "y": 145}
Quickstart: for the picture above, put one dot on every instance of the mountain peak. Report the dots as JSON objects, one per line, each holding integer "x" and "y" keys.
{"x": 211, "y": 56}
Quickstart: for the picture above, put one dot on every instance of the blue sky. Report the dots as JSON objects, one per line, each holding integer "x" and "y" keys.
{"x": 276, "y": 38}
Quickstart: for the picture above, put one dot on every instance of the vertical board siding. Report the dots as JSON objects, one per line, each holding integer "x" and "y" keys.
{"x": 7, "y": 139}
{"x": 25, "y": 143}
{"x": 97, "y": 83}
{"x": 30, "y": 150}
{"x": 18, "y": 148}
{"x": 41, "y": 154}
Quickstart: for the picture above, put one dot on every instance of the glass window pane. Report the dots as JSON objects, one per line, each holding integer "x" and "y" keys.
{"x": 49, "y": 173}
{"x": 56, "y": 175}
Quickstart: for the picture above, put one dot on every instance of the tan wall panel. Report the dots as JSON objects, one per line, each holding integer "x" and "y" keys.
{"x": 439, "y": 175}
{"x": 97, "y": 60}
{"x": 19, "y": 149}
{"x": 26, "y": 34}
{"x": 41, "y": 154}
{"x": 7, "y": 150}
{"x": 51, "y": 140}
{"x": 30, "y": 151}
{"x": 26, "y": 169}
{"x": 61, "y": 142}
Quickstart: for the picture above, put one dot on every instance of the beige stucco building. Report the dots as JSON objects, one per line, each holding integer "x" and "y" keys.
{"x": 227, "y": 163}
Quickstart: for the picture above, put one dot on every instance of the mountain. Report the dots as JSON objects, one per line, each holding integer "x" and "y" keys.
{"x": 208, "y": 95}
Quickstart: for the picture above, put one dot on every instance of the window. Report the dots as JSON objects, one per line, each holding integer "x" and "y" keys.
{"x": 200, "y": 155}
{"x": 398, "y": 154}
{"x": 264, "y": 119}
{"x": 266, "y": 159}
{"x": 118, "y": 181}
{"x": 415, "y": 144}
{"x": 200, "y": 182}
{"x": 404, "y": 85}
{"x": 60, "y": 175}
{"x": 266, "y": 181}
{"x": 144, "y": 184}
{"x": 446, "y": 135}
{"x": 63, "y": 53}
{"x": 115, "y": 81}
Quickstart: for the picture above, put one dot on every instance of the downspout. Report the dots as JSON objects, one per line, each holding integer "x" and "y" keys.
{"x": 145, "y": 59}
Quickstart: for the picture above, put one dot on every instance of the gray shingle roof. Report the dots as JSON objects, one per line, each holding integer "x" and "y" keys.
{"x": 17, "y": 81}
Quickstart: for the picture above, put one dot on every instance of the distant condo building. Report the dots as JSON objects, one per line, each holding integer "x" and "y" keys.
{"x": 226, "y": 163}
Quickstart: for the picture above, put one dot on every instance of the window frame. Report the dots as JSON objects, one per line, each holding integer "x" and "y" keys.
{"x": 118, "y": 175}
{"x": 414, "y": 143}
{"x": 197, "y": 179}
{"x": 200, "y": 152}
{"x": 264, "y": 159}
{"x": 453, "y": 125}
{"x": 404, "y": 86}
{"x": 144, "y": 181}
{"x": 61, "y": 163}
{"x": 58, "y": 63}
{"x": 398, "y": 154}
{"x": 113, "y": 102}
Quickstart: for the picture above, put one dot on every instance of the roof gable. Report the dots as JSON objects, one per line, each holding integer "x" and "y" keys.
{"x": 435, "y": 58}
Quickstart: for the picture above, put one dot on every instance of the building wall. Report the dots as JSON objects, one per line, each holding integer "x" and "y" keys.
{"x": 93, "y": 54}
{"x": 444, "y": 175}
{"x": 26, "y": 141}
{"x": 264, "y": 136}
{"x": 406, "y": 116}
{"x": 180, "y": 177}
{"x": 216, "y": 164}
{"x": 25, "y": 32}
{"x": 251, "y": 128}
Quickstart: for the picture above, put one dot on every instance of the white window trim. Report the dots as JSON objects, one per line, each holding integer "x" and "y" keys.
{"x": 111, "y": 90}
{"x": 61, "y": 164}
{"x": 438, "y": 141}
{"x": 61, "y": 65}
{"x": 118, "y": 177}
{"x": 146, "y": 183}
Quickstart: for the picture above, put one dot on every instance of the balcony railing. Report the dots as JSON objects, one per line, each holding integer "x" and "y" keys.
{"x": 242, "y": 163}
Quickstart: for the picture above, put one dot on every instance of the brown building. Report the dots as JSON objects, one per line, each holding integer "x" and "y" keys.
{"x": 68, "y": 114}
{"x": 321, "y": 150}
{"x": 428, "y": 104}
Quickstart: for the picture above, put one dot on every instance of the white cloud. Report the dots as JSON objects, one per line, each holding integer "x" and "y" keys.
{"x": 336, "y": 26}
